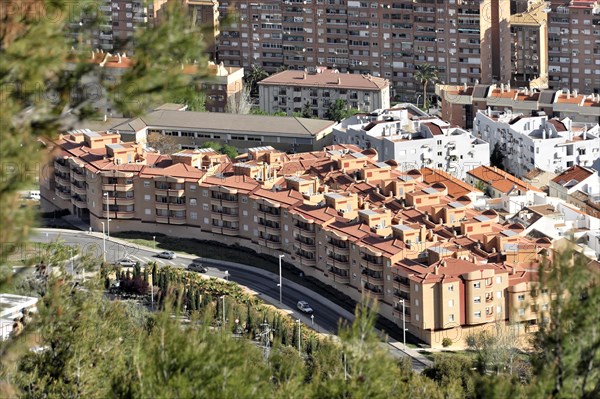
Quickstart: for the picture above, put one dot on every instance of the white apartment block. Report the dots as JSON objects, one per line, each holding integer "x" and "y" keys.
{"x": 414, "y": 139}
{"x": 535, "y": 141}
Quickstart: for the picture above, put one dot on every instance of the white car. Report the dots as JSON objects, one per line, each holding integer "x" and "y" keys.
{"x": 304, "y": 307}
{"x": 167, "y": 255}
{"x": 126, "y": 262}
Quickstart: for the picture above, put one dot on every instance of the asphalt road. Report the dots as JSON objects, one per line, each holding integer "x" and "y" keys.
{"x": 326, "y": 317}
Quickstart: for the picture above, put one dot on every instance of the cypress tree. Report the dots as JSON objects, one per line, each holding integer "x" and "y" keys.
{"x": 154, "y": 274}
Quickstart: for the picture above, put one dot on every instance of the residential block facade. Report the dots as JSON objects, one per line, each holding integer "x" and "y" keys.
{"x": 339, "y": 217}
{"x": 294, "y": 91}
{"x": 414, "y": 139}
{"x": 465, "y": 40}
{"x": 535, "y": 141}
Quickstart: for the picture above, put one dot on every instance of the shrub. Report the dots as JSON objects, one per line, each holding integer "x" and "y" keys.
{"x": 446, "y": 342}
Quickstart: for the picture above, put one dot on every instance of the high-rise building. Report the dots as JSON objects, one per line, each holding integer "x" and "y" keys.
{"x": 574, "y": 45}
{"x": 466, "y": 40}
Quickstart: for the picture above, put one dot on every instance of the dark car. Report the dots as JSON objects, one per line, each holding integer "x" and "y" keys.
{"x": 197, "y": 267}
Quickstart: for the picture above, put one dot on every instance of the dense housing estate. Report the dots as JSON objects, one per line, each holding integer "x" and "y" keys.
{"x": 363, "y": 226}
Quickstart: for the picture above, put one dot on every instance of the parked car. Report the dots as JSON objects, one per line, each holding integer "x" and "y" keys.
{"x": 197, "y": 267}
{"x": 304, "y": 307}
{"x": 167, "y": 255}
{"x": 126, "y": 262}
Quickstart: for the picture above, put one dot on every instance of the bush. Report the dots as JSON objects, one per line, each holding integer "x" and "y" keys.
{"x": 446, "y": 342}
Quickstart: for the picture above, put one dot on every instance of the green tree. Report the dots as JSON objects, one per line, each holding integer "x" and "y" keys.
{"x": 306, "y": 110}
{"x": 338, "y": 111}
{"x": 425, "y": 74}
{"x": 497, "y": 157}
{"x": 226, "y": 149}
{"x": 566, "y": 360}
{"x": 255, "y": 75}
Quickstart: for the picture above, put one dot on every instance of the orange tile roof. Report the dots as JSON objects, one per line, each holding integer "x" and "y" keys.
{"x": 573, "y": 174}
{"x": 501, "y": 180}
{"x": 329, "y": 78}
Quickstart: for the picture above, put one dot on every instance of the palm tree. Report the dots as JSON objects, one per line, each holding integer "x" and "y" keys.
{"x": 424, "y": 74}
{"x": 255, "y": 75}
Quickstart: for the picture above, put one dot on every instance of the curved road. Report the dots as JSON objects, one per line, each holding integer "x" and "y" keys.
{"x": 326, "y": 315}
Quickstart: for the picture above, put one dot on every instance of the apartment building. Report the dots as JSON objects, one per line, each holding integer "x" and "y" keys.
{"x": 461, "y": 103}
{"x": 579, "y": 186}
{"x": 530, "y": 45}
{"x": 535, "y": 141}
{"x": 191, "y": 129}
{"x": 393, "y": 237}
{"x": 291, "y": 91}
{"x": 465, "y": 40}
{"x": 218, "y": 83}
{"x": 414, "y": 139}
{"x": 574, "y": 45}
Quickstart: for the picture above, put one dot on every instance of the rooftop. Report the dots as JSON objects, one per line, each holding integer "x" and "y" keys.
{"x": 329, "y": 78}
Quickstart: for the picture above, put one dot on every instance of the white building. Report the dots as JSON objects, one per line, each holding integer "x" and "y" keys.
{"x": 11, "y": 308}
{"x": 576, "y": 178}
{"x": 414, "y": 139}
{"x": 535, "y": 141}
{"x": 291, "y": 91}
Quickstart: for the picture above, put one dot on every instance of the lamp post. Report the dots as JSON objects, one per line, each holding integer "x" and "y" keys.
{"x": 107, "y": 216}
{"x": 227, "y": 275}
{"x": 103, "y": 244}
{"x": 312, "y": 320}
{"x": 403, "y": 322}
{"x": 154, "y": 241}
{"x": 72, "y": 265}
{"x": 280, "y": 279}
{"x": 223, "y": 297}
{"x": 299, "y": 337}
{"x": 54, "y": 206}
{"x": 418, "y": 97}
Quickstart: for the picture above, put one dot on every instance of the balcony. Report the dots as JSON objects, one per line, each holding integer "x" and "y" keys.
{"x": 121, "y": 187}
{"x": 338, "y": 278}
{"x": 371, "y": 265}
{"x": 161, "y": 205}
{"x": 331, "y": 262}
{"x": 78, "y": 176}
{"x": 401, "y": 282}
{"x": 78, "y": 190}
{"x": 177, "y": 220}
{"x": 169, "y": 192}
{"x": 375, "y": 292}
{"x": 338, "y": 250}
{"x": 162, "y": 219}
{"x": 123, "y": 201}
{"x": 63, "y": 181}
{"x": 79, "y": 202}
{"x": 61, "y": 168}
{"x": 65, "y": 195}
{"x": 373, "y": 279}
{"x": 177, "y": 207}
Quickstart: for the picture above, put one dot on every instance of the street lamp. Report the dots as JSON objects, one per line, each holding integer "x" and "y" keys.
{"x": 223, "y": 297}
{"x": 54, "y": 206}
{"x": 403, "y": 321}
{"x": 418, "y": 97}
{"x": 312, "y": 320}
{"x": 299, "y": 336}
{"x": 280, "y": 285}
{"x": 72, "y": 266}
{"x": 103, "y": 243}
{"x": 154, "y": 241}
{"x": 107, "y": 216}
{"x": 227, "y": 275}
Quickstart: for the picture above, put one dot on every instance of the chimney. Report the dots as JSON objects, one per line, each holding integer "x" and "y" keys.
{"x": 568, "y": 94}
{"x": 105, "y": 117}
{"x": 304, "y": 75}
{"x": 508, "y": 86}
{"x": 339, "y": 81}
{"x": 585, "y": 132}
{"x": 436, "y": 269}
{"x": 501, "y": 87}
{"x": 575, "y": 91}
{"x": 465, "y": 86}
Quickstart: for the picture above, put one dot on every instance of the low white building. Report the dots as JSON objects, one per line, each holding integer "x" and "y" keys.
{"x": 535, "y": 141}
{"x": 11, "y": 308}
{"x": 414, "y": 139}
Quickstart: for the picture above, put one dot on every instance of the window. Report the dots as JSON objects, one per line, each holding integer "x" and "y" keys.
{"x": 205, "y": 207}
{"x": 193, "y": 201}
{"x": 244, "y": 200}
{"x": 521, "y": 312}
{"x": 146, "y": 184}
{"x": 451, "y": 317}
{"x": 192, "y": 187}
{"x": 148, "y": 211}
{"x": 146, "y": 197}
{"x": 416, "y": 288}
{"x": 451, "y": 303}
{"x": 477, "y": 314}
{"x": 416, "y": 302}
{"x": 498, "y": 309}
{"x": 477, "y": 299}
{"x": 498, "y": 279}
{"x": 194, "y": 215}
{"x": 205, "y": 193}
{"x": 521, "y": 297}
{"x": 477, "y": 285}
{"x": 451, "y": 288}
{"x": 417, "y": 317}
